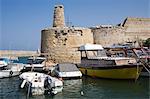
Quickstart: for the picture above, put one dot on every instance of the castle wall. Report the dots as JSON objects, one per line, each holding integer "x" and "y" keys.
{"x": 107, "y": 36}
{"x": 133, "y": 29}
{"x": 137, "y": 28}
{"x": 62, "y": 44}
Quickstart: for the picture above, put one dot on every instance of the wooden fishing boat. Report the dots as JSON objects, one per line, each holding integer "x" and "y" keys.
{"x": 95, "y": 63}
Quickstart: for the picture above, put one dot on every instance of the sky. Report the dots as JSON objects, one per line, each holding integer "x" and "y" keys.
{"x": 21, "y": 21}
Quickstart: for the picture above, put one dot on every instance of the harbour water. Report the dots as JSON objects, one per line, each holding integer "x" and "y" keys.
{"x": 85, "y": 88}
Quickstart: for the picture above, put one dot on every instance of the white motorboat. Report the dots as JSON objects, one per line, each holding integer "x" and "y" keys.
{"x": 35, "y": 64}
{"x": 40, "y": 83}
{"x": 8, "y": 69}
{"x": 67, "y": 70}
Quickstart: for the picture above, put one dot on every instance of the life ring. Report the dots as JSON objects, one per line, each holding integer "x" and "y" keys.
{"x": 11, "y": 73}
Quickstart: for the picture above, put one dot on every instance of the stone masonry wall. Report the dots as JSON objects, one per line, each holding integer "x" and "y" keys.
{"x": 108, "y": 36}
{"x": 62, "y": 43}
{"x": 131, "y": 30}
{"x": 59, "y": 18}
{"x": 137, "y": 28}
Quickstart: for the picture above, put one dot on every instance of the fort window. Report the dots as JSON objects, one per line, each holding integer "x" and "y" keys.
{"x": 65, "y": 39}
{"x": 55, "y": 31}
{"x": 62, "y": 31}
{"x": 64, "y": 34}
{"x": 60, "y": 6}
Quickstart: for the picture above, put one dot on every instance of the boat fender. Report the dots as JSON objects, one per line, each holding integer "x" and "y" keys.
{"x": 10, "y": 73}
{"x": 23, "y": 83}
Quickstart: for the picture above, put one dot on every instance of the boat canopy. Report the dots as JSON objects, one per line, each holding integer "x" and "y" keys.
{"x": 90, "y": 47}
{"x": 67, "y": 67}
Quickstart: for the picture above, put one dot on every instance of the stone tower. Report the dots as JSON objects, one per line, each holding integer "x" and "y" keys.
{"x": 61, "y": 42}
{"x": 58, "y": 19}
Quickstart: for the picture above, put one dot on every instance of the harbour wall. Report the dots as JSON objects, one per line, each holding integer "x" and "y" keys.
{"x": 13, "y": 54}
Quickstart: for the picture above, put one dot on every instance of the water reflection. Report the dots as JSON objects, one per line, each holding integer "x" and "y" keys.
{"x": 73, "y": 87}
{"x": 85, "y": 88}
{"x": 124, "y": 89}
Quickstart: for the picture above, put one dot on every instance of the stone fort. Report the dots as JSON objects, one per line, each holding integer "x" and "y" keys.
{"x": 61, "y": 42}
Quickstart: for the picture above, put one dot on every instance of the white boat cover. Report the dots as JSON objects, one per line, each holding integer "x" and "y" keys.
{"x": 67, "y": 67}
{"x": 91, "y": 47}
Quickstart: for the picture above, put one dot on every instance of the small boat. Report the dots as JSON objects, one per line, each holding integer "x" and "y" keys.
{"x": 40, "y": 83}
{"x": 4, "y": 62}
{"x": 35, "y": 64}
{"x": 9, "y": 69}
{"x": 95, "y": 63}
{"x": 67, "y": 70}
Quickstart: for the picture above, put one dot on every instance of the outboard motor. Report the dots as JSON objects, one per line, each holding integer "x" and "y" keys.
{"x": 47, "y": 85}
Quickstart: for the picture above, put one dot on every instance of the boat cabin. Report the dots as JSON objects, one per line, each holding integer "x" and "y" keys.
{"x": 92, "y": 51}
{"x": 96, "y": 55}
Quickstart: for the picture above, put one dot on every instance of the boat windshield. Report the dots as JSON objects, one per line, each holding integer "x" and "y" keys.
{"x": 36, "y": 61}
{"x": 99, "y": 53}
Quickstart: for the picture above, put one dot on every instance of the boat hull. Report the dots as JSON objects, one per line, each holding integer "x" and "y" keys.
{"x": 8, "y": 73}
{"x": 121, "y": 72}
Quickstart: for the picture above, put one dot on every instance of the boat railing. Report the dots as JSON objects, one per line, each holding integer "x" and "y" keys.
{"x": 145, "y": 65}
{"x": 109, "y": 58}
